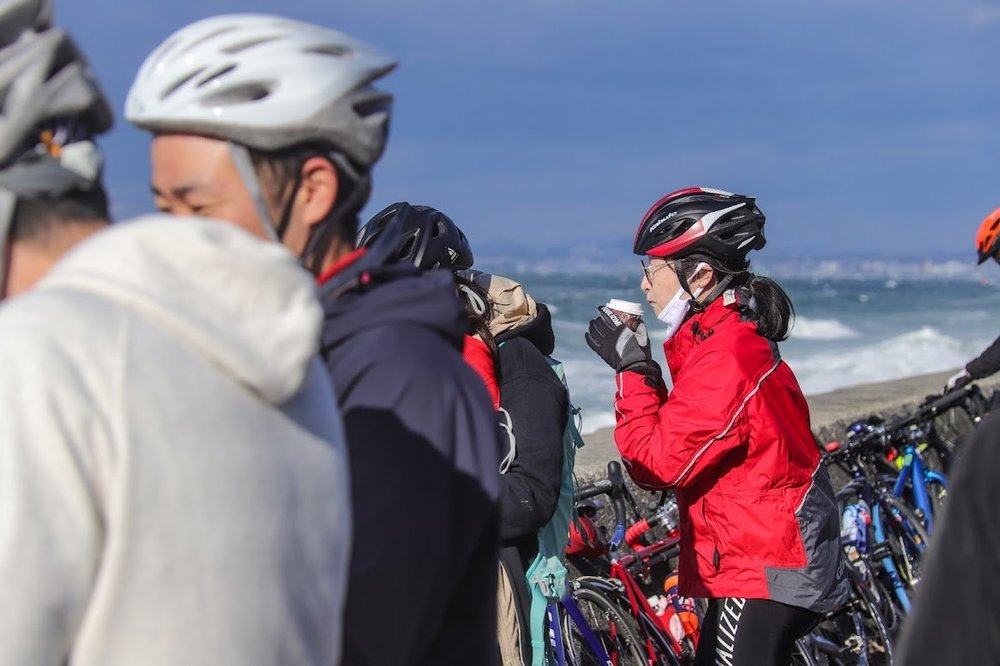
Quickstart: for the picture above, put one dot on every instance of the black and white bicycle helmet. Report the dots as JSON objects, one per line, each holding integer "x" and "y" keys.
{"x": 427, "y": 237}
{"x": 702, "y": 220}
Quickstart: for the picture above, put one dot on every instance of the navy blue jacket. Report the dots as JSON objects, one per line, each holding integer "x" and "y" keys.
{"x": 424, "y": 447}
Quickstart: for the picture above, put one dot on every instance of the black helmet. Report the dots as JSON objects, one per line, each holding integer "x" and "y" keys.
{"x": 701, "y": 220}
{"x": 428, "y": 237}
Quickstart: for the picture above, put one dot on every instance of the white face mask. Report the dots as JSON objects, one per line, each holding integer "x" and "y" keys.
{"x": 673, "y": 314}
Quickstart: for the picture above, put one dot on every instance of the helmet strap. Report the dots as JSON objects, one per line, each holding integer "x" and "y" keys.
{"x": 719, "y": 287}
{"x": 244, "y": 166}
{"x": 321, "y": 235}
{"x": 695, "y": 304}
{"x": 8, "y": 203}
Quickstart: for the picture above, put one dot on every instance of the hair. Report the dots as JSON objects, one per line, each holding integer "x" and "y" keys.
{"x": 38, "y": 220}
{"x": 768, "y": 306}
{"x": 279, "y": 172}
{"x": 478, "y": 323}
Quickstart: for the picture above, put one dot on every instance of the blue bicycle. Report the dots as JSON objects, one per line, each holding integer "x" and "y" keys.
{"x": 891, "y": 539}
{"x": 917, "y": 448}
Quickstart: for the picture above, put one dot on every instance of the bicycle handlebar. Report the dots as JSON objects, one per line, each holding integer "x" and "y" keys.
{"x": 934, "y": 406}
{"x": 613, "y": 487}
{"x": 952, "y": 398}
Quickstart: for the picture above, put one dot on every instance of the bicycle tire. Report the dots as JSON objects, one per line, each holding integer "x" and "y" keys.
{"x": 938, "y": 493}
{"x": 908, "y": 539}
{"x": 645, "y": 626}
{"x": 856, "y": 633}
{"x": 614, "y": 629}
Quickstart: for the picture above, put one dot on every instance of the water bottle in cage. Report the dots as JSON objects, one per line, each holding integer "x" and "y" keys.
{"x": 680, "y": 615}
{"x": 854, "y": 529}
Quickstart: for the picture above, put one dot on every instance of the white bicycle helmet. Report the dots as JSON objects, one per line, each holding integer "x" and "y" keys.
{"x": 50, "y": 108}
{"x": 267, "y": 83}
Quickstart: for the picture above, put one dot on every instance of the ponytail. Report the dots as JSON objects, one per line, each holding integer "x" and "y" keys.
{"x": 769, "y": 307}
{"x": 762, "y": 300}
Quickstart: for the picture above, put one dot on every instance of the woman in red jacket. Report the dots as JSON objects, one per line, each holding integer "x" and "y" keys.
{"x": 759, "y": 526}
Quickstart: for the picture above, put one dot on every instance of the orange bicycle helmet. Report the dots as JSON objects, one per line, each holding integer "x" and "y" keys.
{"x": 988, "y": 237}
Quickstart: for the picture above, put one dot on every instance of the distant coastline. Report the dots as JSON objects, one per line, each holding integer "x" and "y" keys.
{"x": 596, "y": 259}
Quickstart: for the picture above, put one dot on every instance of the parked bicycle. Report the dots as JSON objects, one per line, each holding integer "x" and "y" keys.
{"x": 615, "y": 596}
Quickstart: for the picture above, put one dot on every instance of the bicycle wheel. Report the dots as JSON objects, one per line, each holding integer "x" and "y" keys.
{"x": 614, "y": 630}
{"x": 937, "y": 492}
{"x": 905, "y": 536}
{"x": 854, "y": 634}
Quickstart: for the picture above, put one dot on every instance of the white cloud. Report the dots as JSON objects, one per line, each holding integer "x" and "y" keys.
{"x": 984, "y": 15}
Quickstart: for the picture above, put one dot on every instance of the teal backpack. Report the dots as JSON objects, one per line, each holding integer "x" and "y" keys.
{"x": 547, "y": 573}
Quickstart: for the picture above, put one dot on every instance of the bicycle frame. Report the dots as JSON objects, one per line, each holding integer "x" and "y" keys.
{"x": 555, "y": 631}
{"x": 862, "y": 486}
{"x": 914, "y": 472}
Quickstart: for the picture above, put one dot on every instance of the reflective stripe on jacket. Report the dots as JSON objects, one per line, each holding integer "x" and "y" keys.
{"x": 758, "y": 518}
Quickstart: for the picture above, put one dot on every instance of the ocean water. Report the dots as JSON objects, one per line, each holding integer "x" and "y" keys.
{"x": 847, "y": 331}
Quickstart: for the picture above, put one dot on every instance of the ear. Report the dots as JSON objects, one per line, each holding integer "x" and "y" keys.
{"x": 703, "y": 278}
{"x": 318, "y": 190}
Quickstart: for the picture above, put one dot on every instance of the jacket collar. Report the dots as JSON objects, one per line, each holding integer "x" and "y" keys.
{"x": 697, "y": 329}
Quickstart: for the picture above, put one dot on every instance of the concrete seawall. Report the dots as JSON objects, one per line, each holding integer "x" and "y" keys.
{"x": 831, "y": 413}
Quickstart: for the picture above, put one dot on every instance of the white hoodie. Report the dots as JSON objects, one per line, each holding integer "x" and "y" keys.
{"x": 173, "y": 477}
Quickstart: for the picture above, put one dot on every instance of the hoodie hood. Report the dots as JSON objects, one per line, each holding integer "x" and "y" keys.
{"x": 378, "y": 290}
{"x": 516, "y": 314}
{"x": 243, "y": 304}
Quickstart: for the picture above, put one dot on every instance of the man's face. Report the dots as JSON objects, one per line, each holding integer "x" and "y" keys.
{"x": 195, "y": 175}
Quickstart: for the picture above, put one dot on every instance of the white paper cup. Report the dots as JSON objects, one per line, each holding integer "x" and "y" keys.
{"x": 628, "y": 311}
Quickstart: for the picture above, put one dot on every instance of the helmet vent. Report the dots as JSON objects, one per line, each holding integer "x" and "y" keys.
{"x": 407, "y": 247}
{"x": 170, "y": 90}
{"x": 191, "y": 46}
{"x": 214, "y": 75}
{"x": 238, "y": 95}
{"x": 248, "y": 44}
{"x": 371, "y": 107}
{"x": 330, "y": 50}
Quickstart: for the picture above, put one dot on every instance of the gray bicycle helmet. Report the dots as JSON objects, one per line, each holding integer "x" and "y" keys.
{"x": 265, "y": 82}
{"x": 51, "y": 107}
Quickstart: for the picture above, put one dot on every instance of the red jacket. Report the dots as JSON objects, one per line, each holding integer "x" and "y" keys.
{"x": 758, "y": 519}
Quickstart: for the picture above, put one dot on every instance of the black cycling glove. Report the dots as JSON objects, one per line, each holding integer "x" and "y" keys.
{"x": 621, "y": 347}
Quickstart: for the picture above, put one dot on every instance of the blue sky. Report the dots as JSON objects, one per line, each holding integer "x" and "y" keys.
{"x": 862, "y": 126}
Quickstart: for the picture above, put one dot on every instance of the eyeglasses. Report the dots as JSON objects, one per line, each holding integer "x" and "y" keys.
{"x": 648, "y": 270}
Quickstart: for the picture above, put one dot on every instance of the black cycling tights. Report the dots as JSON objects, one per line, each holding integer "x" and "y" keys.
{"x": 751, "y": 632}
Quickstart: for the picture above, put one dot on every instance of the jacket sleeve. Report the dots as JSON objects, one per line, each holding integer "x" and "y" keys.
{"x": 49, "y": 521}
{"x": 671, "y": 442}
{"x": 538, "y": 407}
{"x": 986, "y": 363}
